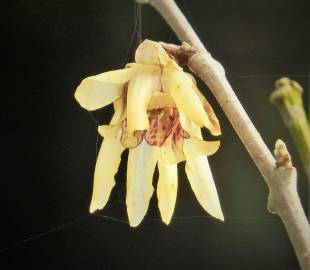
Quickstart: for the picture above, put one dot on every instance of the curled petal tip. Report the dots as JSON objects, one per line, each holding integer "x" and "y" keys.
{"x": 216, "y": 132}
{"x": 100, "y": 90}
{"x": 205, "y": 148}
{"x": 81, "y": 99}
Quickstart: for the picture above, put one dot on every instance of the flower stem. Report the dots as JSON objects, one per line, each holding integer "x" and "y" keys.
{"x": 280, "y": 178}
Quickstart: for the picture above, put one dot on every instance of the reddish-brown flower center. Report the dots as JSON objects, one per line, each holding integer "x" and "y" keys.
{"x": 164, "y": 122}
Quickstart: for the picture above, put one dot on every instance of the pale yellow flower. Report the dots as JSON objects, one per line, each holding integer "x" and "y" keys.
{"x": 159, "y": 113}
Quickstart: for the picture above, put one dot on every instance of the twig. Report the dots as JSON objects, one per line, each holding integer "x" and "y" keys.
{"x": 281, "y": 179}
{"x": 287, "y": 97}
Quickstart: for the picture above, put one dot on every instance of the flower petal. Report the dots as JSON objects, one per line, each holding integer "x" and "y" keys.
{"x": 161, "y": 100}
{"x": 167, "y": 190}
{"x": 140, "y": 91}
{"x": 205, "y": 148}
{"x": 98, "y": 91}
{"x": 201, "y": 180}
{"x": 180, "y": 87}
{"x": 113, "y": 129}
{"x": 150, "y": 52}
{"x": 119, "y": 111}
{"x": 214, "y": 126}
{"x": 133, "y": 65}
{"x": 140, "y": 169}
{"x": 110, "y": 131}
{"x": 189, "y": 126}
{"x": 107, "y": 164}
{"x": 171, "y": 152}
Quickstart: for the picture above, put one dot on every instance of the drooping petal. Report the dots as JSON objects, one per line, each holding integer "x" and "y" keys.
{"x": 98, "y": 91}
{"x": 200, "y": 177}
{"x": 167, "y": 190}
{"x": 141, "y": 87}
{"x": 150, "y": 52}
{"x": 107, "y": 164}
{"x": 180, "y": 87}
{"x": 214, "y": 126}
{"x": 108, "y": 159}
{"x": 205, "y": 148}
{"x": 214, "y": 123}
{"x": 140, "y": 169}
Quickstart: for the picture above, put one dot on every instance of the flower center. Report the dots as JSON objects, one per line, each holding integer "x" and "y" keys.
{"x": 161, "y": 123}
{"x": 164, "y": 122}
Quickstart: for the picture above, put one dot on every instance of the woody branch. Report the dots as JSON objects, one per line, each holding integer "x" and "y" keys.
{"x": 278, "y": 172}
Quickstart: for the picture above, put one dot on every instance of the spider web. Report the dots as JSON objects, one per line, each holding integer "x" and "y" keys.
{"x": 118, "y": 193}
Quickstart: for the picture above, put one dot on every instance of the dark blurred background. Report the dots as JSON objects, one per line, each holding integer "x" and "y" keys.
{"x": 49, "y": 143}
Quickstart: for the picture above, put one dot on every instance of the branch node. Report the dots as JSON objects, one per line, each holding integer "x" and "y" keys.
{"x": 185, "y": 53}
{"x": 282, "y": 156}
{"x": 182, "y": 53}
